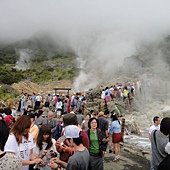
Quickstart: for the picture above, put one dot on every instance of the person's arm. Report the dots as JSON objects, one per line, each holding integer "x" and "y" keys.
{"x": 111, "y": 129}
{"x": 31, "y": 162}
{"x": 106, "y": 139}
{"x": 34, "y": 131}
{"x": 63, "y": 164}
{"x": 68, "y": 149}
{"x": 63, "y": 148}
{"x": 58, "y": 146}
{"x": 106, "y": 131}
{"x": 53, "y": 165}
{"x": 55, "y": 161}
{"x": 33, "y": 159}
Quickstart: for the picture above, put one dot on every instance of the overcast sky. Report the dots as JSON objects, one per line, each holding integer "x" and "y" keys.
{"x": 134, "y": 18}
{"x": 96, "y": 29}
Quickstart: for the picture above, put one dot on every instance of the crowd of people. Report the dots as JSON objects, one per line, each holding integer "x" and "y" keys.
{"x": 45, "y": 137}
{"x": 124, "y": 92}
{"x": 59, "y": 104}
{"x": 42, "y": 139}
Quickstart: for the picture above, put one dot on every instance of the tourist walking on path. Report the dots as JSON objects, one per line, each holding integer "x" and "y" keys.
{"x": 115, "y": 131}
{"x": 7, "y": 160}
{"x": 59, "y": 107}
{"x": 38, "y": 101}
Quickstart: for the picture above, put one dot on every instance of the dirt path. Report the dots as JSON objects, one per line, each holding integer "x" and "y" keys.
{"x": 127, "y": 161}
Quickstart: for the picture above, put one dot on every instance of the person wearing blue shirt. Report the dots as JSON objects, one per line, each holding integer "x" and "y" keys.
{"x": 115, "y": 132}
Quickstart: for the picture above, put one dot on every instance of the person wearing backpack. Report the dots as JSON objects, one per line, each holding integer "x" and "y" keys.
{"x": 159, "y": 140}
{"x": 165, "y": 164}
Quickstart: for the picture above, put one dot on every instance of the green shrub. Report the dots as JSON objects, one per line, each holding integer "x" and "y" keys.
{"x": 5, "y": 94}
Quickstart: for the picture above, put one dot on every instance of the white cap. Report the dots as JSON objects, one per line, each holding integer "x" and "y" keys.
{"x": 71, "y": 131}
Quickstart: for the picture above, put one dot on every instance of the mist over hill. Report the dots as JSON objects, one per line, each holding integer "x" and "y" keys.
{"x": 100, "y": 34}
{"x": 38, "y": 59}
{"x": 148, "y": 59}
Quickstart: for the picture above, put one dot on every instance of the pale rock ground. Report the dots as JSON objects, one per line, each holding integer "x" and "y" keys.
{"x": 136, "y": 149}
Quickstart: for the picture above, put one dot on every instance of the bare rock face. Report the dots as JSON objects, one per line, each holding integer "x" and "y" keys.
{"x": 166, "y": 114}
{"x": 166, "y": 111}
{"x": 94, "y": 102}
{"x": 92, "y": 94}
{"x": 117, "y": 106}
{"x": 30, "y": 87}
{"x": 11, "y": 102}
{"x": 8, "y": 103}
{"x": 9, "y": 89}
{"x": 27, "y": 87}
{"x": 131, "y": 127}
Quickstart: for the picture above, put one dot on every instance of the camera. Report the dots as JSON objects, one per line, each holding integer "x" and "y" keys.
{"x": 53, "y": 154}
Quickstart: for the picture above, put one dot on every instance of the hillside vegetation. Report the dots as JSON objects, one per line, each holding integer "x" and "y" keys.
{"x": 43, "y": 67}
{"x": 57, "y": 68}
{"x": 47, "y": 64}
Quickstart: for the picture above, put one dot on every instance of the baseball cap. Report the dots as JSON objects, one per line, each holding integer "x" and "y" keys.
{"x": 71, "y": 131}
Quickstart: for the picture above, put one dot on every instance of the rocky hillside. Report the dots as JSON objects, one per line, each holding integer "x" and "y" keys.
{"x": 45, "y": 88}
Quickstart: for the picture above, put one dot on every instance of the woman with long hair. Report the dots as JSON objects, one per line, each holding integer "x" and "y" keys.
{"x": 21, "y": 142}
{"x": 7, "y": 160}
{"x": 95, "y": 148}
{"x": 45, "y": 147}
{"x": 115, "y": 132}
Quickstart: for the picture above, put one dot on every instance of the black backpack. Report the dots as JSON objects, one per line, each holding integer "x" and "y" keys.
{"x": 165, "y": 164}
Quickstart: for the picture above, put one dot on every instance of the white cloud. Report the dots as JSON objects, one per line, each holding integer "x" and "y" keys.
{"x": 105, "y": 31}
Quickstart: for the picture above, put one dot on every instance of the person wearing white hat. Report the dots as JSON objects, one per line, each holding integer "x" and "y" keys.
{"x": 80, "y": 159}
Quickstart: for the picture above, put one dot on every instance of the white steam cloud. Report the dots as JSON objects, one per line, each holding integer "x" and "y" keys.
{"x": 101, "y": 32}
{"x": 24, "y": 61}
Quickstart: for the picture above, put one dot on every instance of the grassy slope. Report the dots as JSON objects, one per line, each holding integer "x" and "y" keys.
{"x": 53, "y": 69}
{"x": 43, "y": 68}
{"x": 59, "y": 66}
